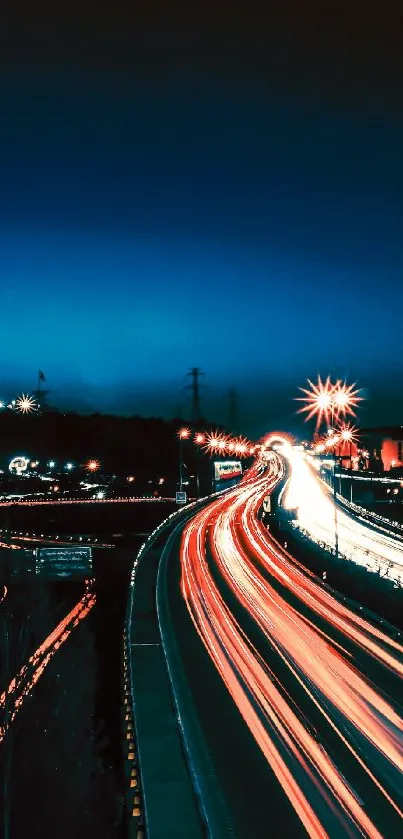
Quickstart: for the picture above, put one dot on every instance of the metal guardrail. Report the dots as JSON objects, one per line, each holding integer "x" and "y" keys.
{"x": 362, "y": 512}
{"x": 134, "y": 792}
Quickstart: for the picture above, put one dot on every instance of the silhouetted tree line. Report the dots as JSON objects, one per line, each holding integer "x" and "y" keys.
{"x": 121, "y": 443}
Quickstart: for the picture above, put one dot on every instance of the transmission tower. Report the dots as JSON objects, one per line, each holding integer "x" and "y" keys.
{"x": 194, "y": 386}
{"x": 233, "y": 418}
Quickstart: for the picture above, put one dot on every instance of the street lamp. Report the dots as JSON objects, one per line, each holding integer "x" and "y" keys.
{"x": 348, "y": 434}
{"x": 183, "y": 434}
{"x": 199, "y": 440}
{"x": 336, "y": 531}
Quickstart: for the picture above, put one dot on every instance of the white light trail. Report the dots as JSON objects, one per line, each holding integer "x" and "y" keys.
{"x": 312, "y": 500}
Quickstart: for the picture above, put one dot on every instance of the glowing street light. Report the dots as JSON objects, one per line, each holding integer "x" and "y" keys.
{"x": 199, "y": 439}
{"x": 214, "y": 443}
{"x": 345, "y": 398}
{"x": 326, "y": 401}
{"x": 92, "y": 465}
{"x": 317, "y": 400}
{"x": 25, "y": 404}
{"x": 183, "y": 434}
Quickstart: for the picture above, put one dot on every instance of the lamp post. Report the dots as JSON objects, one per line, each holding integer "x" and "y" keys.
{"x": 199, "y": 440}
{"x": 183, "y": 434}
{"x": 336, "y": 533}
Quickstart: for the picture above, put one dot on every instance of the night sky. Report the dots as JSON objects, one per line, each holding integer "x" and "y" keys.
{"x": 228, "y": 195}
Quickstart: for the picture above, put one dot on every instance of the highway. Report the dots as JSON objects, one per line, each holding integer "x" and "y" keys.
{"x": 301, "y": 729}
{"x": 357, "y": 540}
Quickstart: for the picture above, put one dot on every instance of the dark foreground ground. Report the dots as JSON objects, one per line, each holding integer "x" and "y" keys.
{"x": 66, "y": 767}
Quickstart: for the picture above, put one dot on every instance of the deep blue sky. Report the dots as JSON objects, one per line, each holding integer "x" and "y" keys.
{"x": 160, "y": 211}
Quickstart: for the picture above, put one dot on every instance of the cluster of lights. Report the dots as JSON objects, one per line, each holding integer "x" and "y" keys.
{"x": 20, "y": 463}
{"x": 346, "y": 433}
{"x": 24, "y": 404}
{"x": 216, "y": 443}
{"x": 329, "y": 401}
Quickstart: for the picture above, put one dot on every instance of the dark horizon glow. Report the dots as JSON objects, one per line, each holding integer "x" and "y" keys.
{"x": 151, "y": 223}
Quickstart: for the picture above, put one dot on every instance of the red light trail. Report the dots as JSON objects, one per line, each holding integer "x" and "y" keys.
{"x": 326, "y": 651}
{"x": 23, "y": 683}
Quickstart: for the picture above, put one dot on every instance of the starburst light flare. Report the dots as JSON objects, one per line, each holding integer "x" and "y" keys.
{"x": 25, "y": 404}
{"x": 346, "y": 398}
{"x": 318, "y": 400}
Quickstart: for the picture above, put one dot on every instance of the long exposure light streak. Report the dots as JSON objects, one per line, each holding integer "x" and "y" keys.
{"x": 333, "y": 776}
{"x": 23, "y": 683}
{"x": 312, "y": 500}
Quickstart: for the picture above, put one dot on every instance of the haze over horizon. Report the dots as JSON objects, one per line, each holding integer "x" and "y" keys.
{"x": 232, "y": 201}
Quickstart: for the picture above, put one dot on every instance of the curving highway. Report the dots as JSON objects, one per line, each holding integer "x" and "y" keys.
{"x": 315, "y": 684}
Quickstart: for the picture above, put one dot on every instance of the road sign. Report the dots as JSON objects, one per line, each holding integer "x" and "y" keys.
{"x": 64, "y": 561}
{"x": 225, "y": 470}
{"x": 181, "y": 497}
{"x": 267, "y": 504}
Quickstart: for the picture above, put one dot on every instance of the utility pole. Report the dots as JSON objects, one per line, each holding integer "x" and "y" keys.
{"x": 336, "y": 531}
{"x": 194, "y": 386}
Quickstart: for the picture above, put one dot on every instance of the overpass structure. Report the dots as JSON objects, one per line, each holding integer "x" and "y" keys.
{"x": 257, "y": 700}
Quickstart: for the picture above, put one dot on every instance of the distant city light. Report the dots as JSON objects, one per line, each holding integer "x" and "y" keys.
{"x": 25, "y": 404}
{"x": 100, "y": 494}
{"x": 92, "y": 465}
{"x": 18, "y": 464}
{"x": 199, "y": 438}
{"x": 52, "y": 464}
{"x": 69, "y": 466}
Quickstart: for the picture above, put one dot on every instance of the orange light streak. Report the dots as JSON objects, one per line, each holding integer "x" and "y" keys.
{"x": 248, "y": 558}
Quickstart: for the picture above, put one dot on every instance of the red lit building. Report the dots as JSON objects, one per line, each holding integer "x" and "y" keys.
{"x": 392, "y": 452}
{"x": 386, "y": 445}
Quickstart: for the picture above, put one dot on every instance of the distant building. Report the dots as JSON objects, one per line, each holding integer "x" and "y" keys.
{"x": 386, "y": 445}
{"x": 392, "y": 452}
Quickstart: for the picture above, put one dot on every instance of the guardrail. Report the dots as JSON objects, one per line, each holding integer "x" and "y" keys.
{"x": 134, "y": 792}
{"x": 362, "y": 512}
{"x": 121, "y": 499}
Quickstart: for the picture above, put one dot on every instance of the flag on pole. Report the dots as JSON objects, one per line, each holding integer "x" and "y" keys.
{"x": 41, "y": 376}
